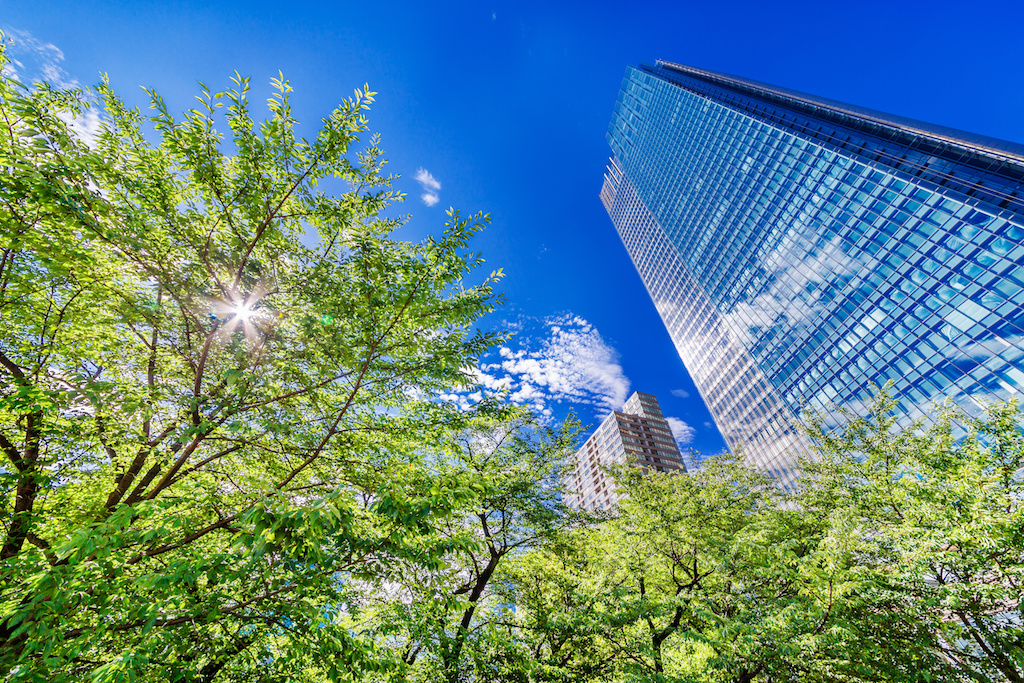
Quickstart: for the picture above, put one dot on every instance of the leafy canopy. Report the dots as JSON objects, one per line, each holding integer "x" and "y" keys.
{"x": 215, "y": 386}
{"x": 899, "y": 558}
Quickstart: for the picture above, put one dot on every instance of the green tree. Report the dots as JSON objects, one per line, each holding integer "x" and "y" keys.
{"x": 215, "y": 384}
{"x": 936, "y": 512}
{"x": 444, "y": 620}
{"x": 554, "y": 632}
{"x": 681, "y": 591}
{"x": 715, "y": 576}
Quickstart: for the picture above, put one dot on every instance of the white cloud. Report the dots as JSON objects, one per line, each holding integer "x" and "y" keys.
{"x": 33, "y": 61}
{"x": 557, "y": 360}
{"x": 431, "y": 187}
{"x": 428, "y": 181}
{"x": 488, "y": 381}
{"x": 681, "y": 393}
{"x": 458, "y": 399}
{"x": 682, "y": 432}
{"x": 572, "y": 363}
{"x": 87, "y": 126}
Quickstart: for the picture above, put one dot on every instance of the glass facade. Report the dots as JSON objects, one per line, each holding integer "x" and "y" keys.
{"x": 800, "y": 251}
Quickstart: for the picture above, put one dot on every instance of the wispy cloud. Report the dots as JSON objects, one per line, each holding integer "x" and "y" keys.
{"x": 682, "y": 431}
{"x": 559, "y": 360}
{"x": 571, "y": 363}
{"x": 33, "y": 61}
{"x": 681, "y": 393}
{"x": 431, "y": 187}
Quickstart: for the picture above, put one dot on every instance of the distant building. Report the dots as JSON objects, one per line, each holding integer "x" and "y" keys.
{"x": 639, "y": 435}
{"x": 800, "y": 250}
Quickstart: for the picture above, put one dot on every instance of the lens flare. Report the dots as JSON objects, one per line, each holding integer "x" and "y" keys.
{"x": 243, "y": 312}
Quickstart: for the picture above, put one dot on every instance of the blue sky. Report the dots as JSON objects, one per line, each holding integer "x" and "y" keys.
{"x": 505, "y": 106}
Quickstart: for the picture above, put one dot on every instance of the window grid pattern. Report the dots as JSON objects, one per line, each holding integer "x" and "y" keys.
{"x": 973, "y": 164}
{"x": 826, "y": 271}
{"x": 749, "y": 414}
{"x": 637, "y": 434}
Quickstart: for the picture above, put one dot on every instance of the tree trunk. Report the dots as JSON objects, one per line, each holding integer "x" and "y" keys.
{"x": 28, "y": 487}
{"x": 451, "y": 655}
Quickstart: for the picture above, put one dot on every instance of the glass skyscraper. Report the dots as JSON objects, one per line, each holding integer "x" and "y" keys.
{"x": 801, "y": 250}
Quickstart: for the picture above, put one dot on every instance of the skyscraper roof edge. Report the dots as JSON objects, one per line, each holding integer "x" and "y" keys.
{"x": 979, "y": 143}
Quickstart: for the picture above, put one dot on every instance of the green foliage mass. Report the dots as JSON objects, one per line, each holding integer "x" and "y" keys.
{"x": 216, "y": 385}
{"x": 935, "y": 518}
{"x": 898, "y": 559}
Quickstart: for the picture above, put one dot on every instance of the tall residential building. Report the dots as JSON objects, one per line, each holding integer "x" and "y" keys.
{"x": 637, "y": 434}
{"x": 801, "y": 250}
